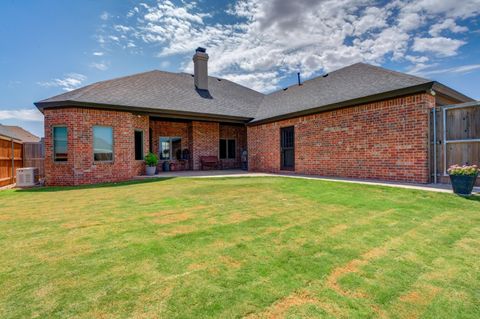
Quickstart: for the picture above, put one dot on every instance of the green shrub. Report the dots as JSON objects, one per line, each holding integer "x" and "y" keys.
{"x": 151, "y": 159}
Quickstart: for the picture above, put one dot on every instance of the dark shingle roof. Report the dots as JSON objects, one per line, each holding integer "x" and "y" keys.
{"x": 349, "y": 83}
{"x": 164, "y": 92}
{"x": 167, "y": 91}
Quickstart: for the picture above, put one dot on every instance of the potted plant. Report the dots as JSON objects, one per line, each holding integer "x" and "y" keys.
{"x": 151, "y": 160}
{"x": 463, "y": 178}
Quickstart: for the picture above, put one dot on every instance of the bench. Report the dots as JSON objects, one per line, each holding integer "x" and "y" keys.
{"x": 210, "y": 161}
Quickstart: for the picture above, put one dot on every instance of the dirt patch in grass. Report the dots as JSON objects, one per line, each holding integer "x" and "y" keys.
{"x": 337, "y": 229}
{"x": 198, "y": 266}
{"x": 280, "y": 308}
{"x": 413, "y": 303}
{"x": 230, "y": 262}
{"x": 354, "y": 265}
{"x": 81, "y": 225}
{"x": 173, "y": 218}
{"x": 179, "y": 230}
{"x": 377, "y": 252}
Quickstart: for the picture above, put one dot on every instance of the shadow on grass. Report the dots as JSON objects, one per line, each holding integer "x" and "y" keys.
{"x": 475, "y": 198}
{"x": 101, "y": 185}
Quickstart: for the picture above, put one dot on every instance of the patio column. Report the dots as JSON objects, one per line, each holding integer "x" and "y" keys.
{"x": 204, "y": 141}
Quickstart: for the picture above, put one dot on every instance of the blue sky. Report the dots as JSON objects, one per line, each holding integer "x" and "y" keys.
{"x": 49, "y": 47}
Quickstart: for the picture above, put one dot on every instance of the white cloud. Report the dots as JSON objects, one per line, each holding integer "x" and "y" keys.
{"x": 21, "y": 114}
{"x": 373, "y": 18}
{"x": 69, "y": 82}
{"x": 408, "y": 21}
{"x": 102, "y": 66}
{"x": 448, "y": 24}
{"x": 256, "y": 81}
{"x": 440, "y": 45}
{"x": 121, "y": 28}
{"x": 450, "y": 8}
{"x": 105, "y": 16}
{"x": 430, "y": 69}
{"x": 416, "y": 59}
{"x": 267, "y": 40}
{"x": 98, "y": 53}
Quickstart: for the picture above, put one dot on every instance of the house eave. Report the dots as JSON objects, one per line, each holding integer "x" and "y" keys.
{"x": 426, "y": 87}
{"x": 451, "y": 93}
{"x": 163, "y": 113}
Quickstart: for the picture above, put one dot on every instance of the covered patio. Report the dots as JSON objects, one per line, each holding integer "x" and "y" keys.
{"x": 180, "y": 144}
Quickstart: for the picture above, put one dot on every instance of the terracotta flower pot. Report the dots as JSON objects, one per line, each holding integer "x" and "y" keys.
{"x": 463, "y": 184}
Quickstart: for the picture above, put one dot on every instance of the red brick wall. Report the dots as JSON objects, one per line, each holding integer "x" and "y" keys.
{"x": 204, "y": 137}
{"x": 80, "y": 167}
{"x": 239, "y": 134}
{"x": 387, "y": 140}
{"x": 140, "y": 123}
{"x": 59, "y": 173}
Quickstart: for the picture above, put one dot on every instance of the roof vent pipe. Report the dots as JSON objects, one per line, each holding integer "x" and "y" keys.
{"x": 200, "y": 67}
{"x": 298, "y": 77}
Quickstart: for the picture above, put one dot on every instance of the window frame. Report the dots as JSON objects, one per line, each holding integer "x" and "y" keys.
{"x": 53, "y": 142}
{"x": 171, "y": 155}
{"x": 93, "y": 144}
{"x": 284, "y": 148}
{"x": 227, "y": 148}
{"x": 141, "y": 144}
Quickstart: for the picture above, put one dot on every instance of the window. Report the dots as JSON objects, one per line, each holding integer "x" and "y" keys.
{"x": 103, "y": 143}
{"x": 138, "y": 145}
{"x": 227, "y": 149}
{"x": 170, "y": 148}
{"x": 60, "y": 144}
{"x": 287, "y": 148}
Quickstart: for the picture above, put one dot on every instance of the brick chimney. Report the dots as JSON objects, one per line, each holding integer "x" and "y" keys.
{"x": 200, "y": 62}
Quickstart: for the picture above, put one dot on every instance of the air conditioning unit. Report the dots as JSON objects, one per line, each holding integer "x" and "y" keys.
{"x": 27, "y": 176}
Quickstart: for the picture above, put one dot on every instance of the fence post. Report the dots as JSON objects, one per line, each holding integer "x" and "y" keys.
{"x": 434, "y": 145}
{"x": 13, "y": 160}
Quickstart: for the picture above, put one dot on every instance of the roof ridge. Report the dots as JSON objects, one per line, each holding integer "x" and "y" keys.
{"x": 315, "y": 78}
{"x": 394, "y": 71}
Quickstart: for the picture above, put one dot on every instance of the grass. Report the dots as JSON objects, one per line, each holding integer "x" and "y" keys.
{"x": 265, "y": 247}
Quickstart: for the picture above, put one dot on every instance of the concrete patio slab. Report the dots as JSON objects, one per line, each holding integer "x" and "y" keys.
{"x": 443, "y": 188}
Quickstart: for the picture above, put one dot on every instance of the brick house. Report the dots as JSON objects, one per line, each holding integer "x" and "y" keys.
{"x": 360, "y": 121}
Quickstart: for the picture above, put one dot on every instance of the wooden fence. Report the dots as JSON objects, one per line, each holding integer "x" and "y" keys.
{"x": 455, "y": 138}
{"x": 11, "y": 152}
{"x": 34, "y": 156}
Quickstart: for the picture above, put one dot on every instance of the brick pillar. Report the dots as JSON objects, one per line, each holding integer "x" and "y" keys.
{"x": 204, "y": 141}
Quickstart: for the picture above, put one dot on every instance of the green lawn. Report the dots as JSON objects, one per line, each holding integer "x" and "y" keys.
{"x": 258, "y": 247}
